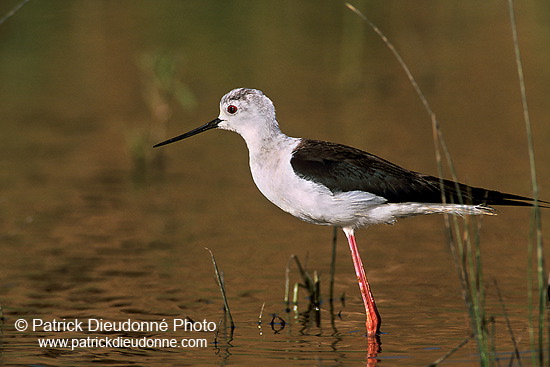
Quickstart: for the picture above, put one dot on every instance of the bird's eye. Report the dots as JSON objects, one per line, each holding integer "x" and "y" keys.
{"x": 232, "y": 109}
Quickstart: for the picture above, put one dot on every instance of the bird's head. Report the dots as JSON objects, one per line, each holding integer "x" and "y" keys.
{"x": 246, "y": 111}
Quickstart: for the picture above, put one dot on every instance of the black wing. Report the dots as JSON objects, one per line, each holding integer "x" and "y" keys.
{"x": 342, "y": 168}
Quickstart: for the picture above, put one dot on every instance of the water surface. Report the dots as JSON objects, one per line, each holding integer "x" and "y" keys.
{"x": 95, "y": 224}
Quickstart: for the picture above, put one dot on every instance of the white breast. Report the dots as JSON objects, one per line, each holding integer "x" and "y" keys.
{"x": 307, "y": 200}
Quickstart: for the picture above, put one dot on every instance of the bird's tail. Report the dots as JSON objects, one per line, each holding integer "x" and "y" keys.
{"x": 458, "y": 193}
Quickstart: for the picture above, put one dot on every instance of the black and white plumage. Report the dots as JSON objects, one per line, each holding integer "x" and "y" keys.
{"x": 332, "y": 184}
{"x": 343, "y": 168}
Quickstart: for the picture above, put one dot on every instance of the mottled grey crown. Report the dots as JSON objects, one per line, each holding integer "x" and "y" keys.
{"x": 241, "y": 94}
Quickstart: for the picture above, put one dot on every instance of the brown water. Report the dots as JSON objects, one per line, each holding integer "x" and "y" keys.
{"x": 94, "y": 224}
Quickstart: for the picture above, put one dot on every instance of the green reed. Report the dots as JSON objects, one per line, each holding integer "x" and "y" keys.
{"x": 463, "y": 234}
{"x": 538, "y": 313}
{"x": 12, "y": 11}
{"x": 311, "y": 283}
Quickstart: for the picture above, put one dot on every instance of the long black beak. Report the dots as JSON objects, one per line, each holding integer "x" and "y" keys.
{"x": 209, "y": 125}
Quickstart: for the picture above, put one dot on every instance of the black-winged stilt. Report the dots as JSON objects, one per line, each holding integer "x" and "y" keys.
{"x": 333, "y": 184}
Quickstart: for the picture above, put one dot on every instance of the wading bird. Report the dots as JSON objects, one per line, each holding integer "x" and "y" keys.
{"x": 332, "y": 184}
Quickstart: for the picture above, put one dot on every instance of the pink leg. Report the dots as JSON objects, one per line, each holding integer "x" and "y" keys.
{"x": 373, "y": 317}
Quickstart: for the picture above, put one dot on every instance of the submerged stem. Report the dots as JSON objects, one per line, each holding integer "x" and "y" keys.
{"x": 222, "y": 288}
